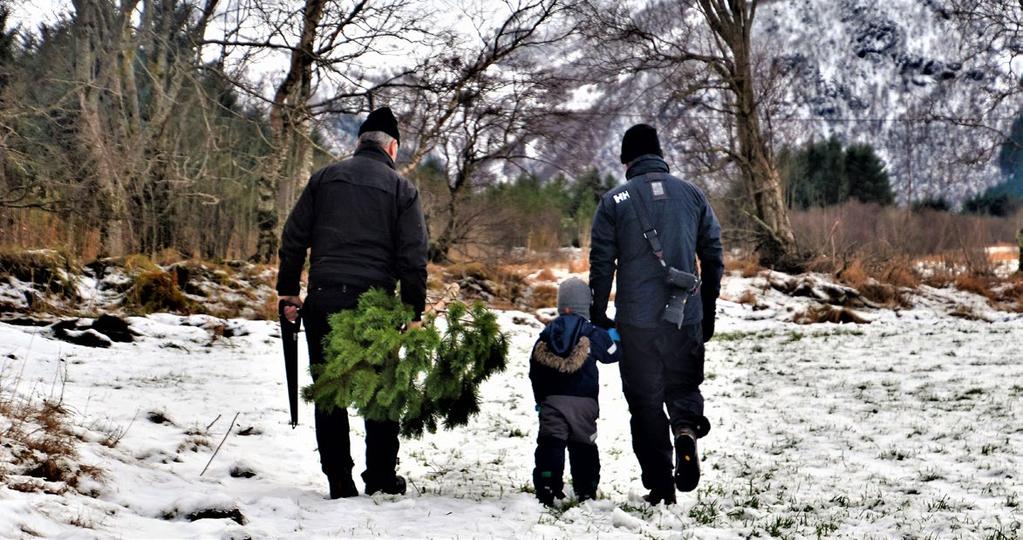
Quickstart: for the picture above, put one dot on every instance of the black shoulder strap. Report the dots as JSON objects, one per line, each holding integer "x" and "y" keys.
{"x": 639, "y": 204}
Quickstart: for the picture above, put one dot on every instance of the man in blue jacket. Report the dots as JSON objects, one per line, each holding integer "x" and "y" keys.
{"x": 662, "y": 363}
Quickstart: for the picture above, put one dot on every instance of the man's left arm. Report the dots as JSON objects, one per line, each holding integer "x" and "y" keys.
{"x": 412, "y": 248}
{"x": 712, "y": 266}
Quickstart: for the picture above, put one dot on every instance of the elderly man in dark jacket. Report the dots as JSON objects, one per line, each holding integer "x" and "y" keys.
{"x": 662, "y": 363}
{"x": 364, "y": 225}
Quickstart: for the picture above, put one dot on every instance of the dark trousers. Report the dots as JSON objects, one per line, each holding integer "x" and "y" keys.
{"x": 332, "y": 427}
{"x": 661, "y": 367}
{"x": 568, "y": 422}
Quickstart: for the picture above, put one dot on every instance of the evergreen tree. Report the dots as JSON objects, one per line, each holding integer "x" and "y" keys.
{"x": 868, "y": 180}
{"x": 816, "y": 175}
{"x": 420, "y": 377}
{"x": 992, "y": 203}
{"x": 825, "y": 174}
{"x": 1010, "y": 160}
{"x": 935, "y": 204}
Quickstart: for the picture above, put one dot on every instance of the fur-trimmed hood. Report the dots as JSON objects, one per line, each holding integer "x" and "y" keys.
{"x": 565, "y": 364}
{"x": 564, "y": 359}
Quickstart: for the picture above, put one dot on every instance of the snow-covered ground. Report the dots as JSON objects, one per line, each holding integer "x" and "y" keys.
{"x": 911, "y": 426}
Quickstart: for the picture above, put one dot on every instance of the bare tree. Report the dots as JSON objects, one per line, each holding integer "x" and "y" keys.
{"x": 699, "y": 55}
{"x": 328, "y": 46}
{"x": 478, "y": 105}
{"x": 126, "y": 135}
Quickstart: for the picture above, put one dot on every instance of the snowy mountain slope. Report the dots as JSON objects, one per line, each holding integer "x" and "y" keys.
{"x": 908, "y": 426}
{"x": 873, "y": 71}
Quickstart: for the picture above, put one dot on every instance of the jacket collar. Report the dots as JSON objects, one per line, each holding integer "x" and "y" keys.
{"x": 375, "y": 152}
{"x": 646, "y": 163}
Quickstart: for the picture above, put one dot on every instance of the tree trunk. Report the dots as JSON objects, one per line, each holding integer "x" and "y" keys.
{"x": 732, "y": 22}
{"x": 278, "y": 186}
{"x": 440, "y": 249}
{"x": 776, "y": 244}
{"x": 92, "y": 29}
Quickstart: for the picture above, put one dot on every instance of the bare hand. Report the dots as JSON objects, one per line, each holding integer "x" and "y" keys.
{"x": 291, "y": 311}
{"x": 414, "y": 325}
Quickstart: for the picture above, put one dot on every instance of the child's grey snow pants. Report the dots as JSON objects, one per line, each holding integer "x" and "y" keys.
{"x": 568, "y": 422}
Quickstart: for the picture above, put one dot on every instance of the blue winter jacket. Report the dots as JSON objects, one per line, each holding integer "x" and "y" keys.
{"x": 687, "y": 229}
{"x": 564, "y": 359}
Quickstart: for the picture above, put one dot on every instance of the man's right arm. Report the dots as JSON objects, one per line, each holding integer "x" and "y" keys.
{"x": 603, "y": 254}
{"x": 412, "y": 251}
{"x": 712, "y": 266}
{"x": 295, "y": 242}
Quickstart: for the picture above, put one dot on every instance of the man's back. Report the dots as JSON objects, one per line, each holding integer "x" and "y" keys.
{"x": 364, "y": 225}
{"x": 686, "y": 227}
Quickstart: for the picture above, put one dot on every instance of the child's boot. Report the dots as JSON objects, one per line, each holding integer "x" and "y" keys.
{"x": 550, "y": 468}
{"x": 585, "y": 463}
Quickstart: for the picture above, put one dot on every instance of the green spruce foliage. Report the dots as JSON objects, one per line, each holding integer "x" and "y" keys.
{"x": 992, "y": 203}
{"x": 420, "y": 378}
{"x": 825, "y": 174}
{"x": 1010, "y": 160}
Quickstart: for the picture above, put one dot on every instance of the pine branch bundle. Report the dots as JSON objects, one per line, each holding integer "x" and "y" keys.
{"x": 421, "y": 378}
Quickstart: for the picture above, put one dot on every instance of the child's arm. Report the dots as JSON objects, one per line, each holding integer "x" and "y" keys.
{"x": 605, "y": 349}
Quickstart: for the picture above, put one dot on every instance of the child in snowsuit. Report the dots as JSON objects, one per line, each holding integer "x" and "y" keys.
{"x": 563, "y": 370}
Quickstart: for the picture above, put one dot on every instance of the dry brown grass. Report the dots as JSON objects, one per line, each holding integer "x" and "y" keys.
{"x": 900, "y": 273}
{"x": 48, "y": 269}
{"x": 828, "y": 314}
{"x": 267, "y": 310}
{"x": 546, "y": 275}
{"x": 748, "y": 298}
{"x": 42, "y": 446}
{"x": 543, "y": 296}
{"x": 158, "y": 291}
{"x": 880, "y": 283}
{"x": 975, "y": 284}
{"x": 854, "y": 275}
{"x": 748, "y": 266}
{"x": 578, "y": 266}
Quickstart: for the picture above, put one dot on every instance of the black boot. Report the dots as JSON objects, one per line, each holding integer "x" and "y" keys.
{"x": 392, "y": 486}
{"x": 548, "y": 488}
{"x": 659, "y": 495}
{"x": 550, "y": 468}
{"x": 687, "y": 461}
{"x": 342, "y": 487}
{"x": 585, "y": 465}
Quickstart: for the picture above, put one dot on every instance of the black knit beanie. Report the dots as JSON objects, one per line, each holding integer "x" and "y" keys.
{"x": 381, "y": 119}
{"x": 640, "y": 139}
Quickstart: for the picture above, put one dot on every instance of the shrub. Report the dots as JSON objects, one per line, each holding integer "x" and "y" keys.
{"x": 155, "y": 291}
{"x": 974, "y": 284}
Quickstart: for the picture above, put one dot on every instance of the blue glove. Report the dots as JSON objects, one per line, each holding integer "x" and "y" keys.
{"x": 615, "y": 337}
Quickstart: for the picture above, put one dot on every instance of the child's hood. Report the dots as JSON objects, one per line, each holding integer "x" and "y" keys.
{"x": 563, "y": 345}
{"x": 563, "y": 334}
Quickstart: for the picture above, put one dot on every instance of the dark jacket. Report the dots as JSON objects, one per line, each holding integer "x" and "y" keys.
{"x": 564, "y": 359}
{"x": 365, "y": 227}
{"x": 687, "y": 229}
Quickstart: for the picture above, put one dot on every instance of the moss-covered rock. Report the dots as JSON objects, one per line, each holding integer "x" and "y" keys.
{"x": 47, "y": 269}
